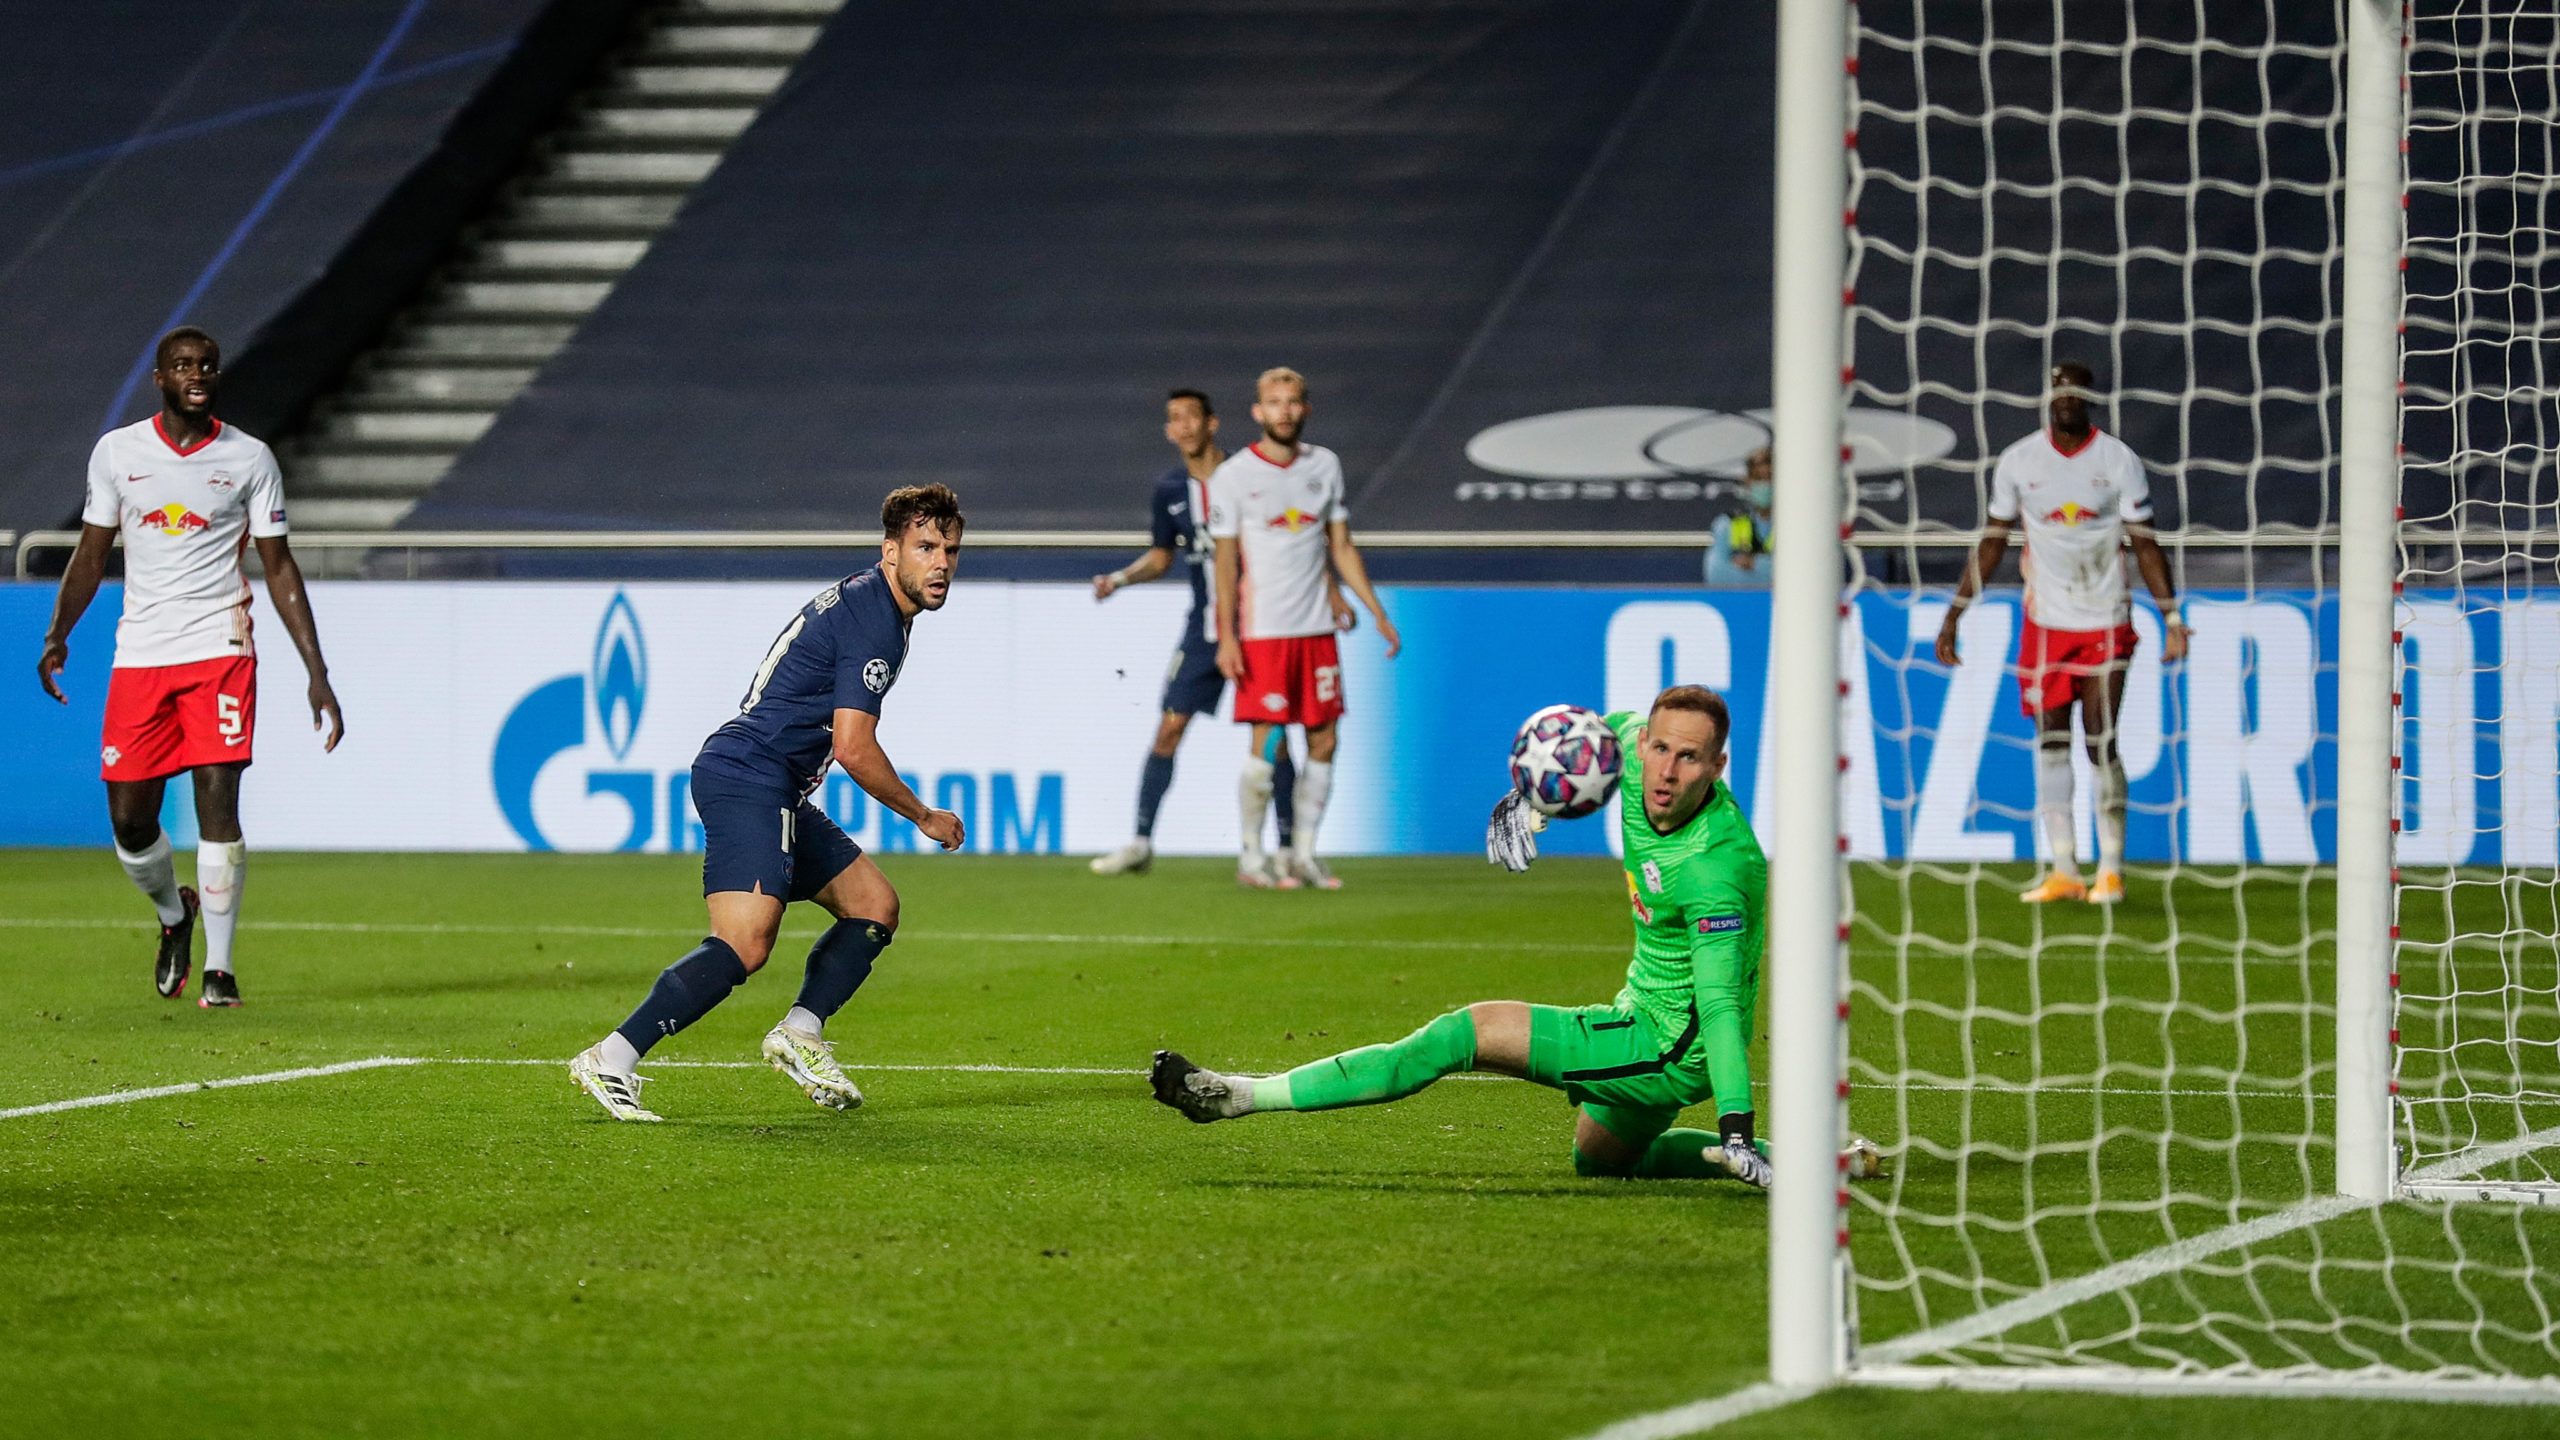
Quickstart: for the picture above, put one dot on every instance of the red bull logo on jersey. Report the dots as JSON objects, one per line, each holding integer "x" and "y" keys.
{"x": 174, "y": 520}
{"x": 1644, "y": 912}
{"x": 1292, "y": 520}
{"x": 2071, "y": 512}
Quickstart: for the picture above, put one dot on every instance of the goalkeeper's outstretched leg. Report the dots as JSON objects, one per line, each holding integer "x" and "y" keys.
{"x": 1631, "y": 1085}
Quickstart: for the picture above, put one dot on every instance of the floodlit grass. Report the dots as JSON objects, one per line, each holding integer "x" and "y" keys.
{"x": 470, "y": 1248}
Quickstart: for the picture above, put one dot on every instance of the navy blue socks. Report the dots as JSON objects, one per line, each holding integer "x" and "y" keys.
{"x": 1156, "y": 779}
{"x": 686, "y": 991}
{"x": 1284, "y": 795}
{"x": 839, "y": 963}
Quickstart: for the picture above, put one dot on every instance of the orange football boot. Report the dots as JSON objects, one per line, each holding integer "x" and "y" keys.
{"x": 2056, "y": 886}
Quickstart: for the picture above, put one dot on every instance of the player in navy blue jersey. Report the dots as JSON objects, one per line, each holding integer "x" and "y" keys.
{"x": 1177, "y": 530}
{"x": 814, "y": 700}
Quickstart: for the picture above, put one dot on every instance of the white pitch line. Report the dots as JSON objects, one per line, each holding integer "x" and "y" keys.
{"x": 313, "y": 1072}
{"x": 2203, "y": 960}
{"x": 760, "y": 1065}
{"x": 971, "y": 937}
{"x": 1701, "y": 1415}
{"x": 1901, "y": 1352}
{"x": 158, "y": 1092}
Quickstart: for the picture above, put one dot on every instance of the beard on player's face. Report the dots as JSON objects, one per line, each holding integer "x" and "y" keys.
{"x": 191, "y": 393}
{"x": 912, "y": 569}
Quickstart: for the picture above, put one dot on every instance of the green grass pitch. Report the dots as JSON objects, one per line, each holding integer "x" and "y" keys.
{"x": 454, "y": 1248}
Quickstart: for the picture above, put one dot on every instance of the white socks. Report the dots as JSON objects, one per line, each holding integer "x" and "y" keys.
{"x": 1315, "y": 786}
{"x": 2111, "y": 806}
{"x": 620, "y": 1056}
{"x": 1253, "y": 799}
{"x": 156, "y": 875}
{"x": 802, "y": 1020}
{"x": 221, "y": 866}
{"x": 2053, "y": 807}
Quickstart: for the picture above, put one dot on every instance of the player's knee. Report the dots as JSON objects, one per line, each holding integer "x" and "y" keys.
{"x": 752, "y": 950}
{"x": 2102, "y": 753}
{"x": 1320, "y": 745}
{"x": 1590, "y": 1167}
{"x": 135, "y": 833}
{"x": 1169, "y": 733}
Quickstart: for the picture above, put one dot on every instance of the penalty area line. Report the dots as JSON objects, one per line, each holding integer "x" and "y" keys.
{"x": 232, "y": 1082}
{"x": 383, "y": 1062}
{"x": 957, "y": 937}
{"x": 389, "y": 1062}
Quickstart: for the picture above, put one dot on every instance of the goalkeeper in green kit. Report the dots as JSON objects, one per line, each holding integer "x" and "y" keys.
{"x": 1678, "y": 1034}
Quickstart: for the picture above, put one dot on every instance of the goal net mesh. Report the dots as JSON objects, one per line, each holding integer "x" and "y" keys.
{"x": 2110, "y": 1127}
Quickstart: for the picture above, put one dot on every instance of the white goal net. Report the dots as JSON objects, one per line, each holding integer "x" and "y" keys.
{"x": 2112, "y": 1129}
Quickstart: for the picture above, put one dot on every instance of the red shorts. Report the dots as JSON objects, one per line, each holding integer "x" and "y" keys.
{"x": 1291, "y": 681}
{"x": 2051, "y": 663}
{"x": 162, "y": 719}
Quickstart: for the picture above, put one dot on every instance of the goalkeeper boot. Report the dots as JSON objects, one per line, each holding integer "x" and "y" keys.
{"x": 1201, "y": 1095}
{"x": 618, "y": 1094}
{"x": 2056, "y": 885}
{"x": 1133, "y": 858}
{"x": 177, "y": 949}
{"x": 1861, "y": 1160}
{"x": 1309, "y": 871}
{"x": 221, "y": 991}
{"x": 2108, "y": 888}
{"x": 809, "y": 1062}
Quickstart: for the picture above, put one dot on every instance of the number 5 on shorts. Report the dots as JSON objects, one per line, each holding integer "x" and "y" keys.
{"x": 226, "y": 718}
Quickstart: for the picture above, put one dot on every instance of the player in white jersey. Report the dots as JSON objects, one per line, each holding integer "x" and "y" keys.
{"x": 188, "y": 494}
{"x": 2082, "y": 498}
{"x": 1282, "y": 531}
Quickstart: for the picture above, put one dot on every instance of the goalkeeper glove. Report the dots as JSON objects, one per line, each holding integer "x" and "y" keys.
{"x": 1744, "y": 1162}
{"x": 1742, "y": 1159}
{"x": 1511, "y": 836}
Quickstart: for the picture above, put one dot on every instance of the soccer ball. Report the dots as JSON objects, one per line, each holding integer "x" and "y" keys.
{"x": 1565, "y": 761}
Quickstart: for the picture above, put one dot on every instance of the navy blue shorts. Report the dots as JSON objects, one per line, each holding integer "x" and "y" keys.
{"x": 760, "y": 837}
{"x": 1192, "y": 683}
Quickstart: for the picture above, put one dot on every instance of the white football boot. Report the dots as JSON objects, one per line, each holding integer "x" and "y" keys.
{"x": 810, "y": 1063}
{"x": 1309, "y": 871}
{"x": 1257, "y": 871}
{"x": 618, "y": 1094}
{"x": 1133, "y": 858}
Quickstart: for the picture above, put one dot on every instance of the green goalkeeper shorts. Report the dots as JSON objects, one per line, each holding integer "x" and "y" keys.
{"x": 1602, "y": 1056}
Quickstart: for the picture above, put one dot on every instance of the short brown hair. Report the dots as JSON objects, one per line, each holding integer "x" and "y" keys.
{"x": 1700, "y": 700}
{"x": 933, "y": 504}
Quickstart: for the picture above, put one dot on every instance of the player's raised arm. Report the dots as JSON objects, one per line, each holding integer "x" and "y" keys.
{"x": 293, "y": 607}
{"x": 857, "y": 749}
{"x": 79, "y": 586}
{"x": 1355, "y": 574}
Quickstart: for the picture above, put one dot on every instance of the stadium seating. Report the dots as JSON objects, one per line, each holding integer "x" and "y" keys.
{"x": 278, "y": 173}
{"x": 975, "y": 243}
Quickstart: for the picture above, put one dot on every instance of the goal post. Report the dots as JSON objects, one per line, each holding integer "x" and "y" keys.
{"x": 2368, "y": 562}
{"x": 2286, "y": 1120}
{"x": 1806, "y": 1288}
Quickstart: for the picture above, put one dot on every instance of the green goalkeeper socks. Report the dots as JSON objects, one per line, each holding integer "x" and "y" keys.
{"x": 1375, "y": 1074}
{"x": 1673, "y": 1155}
{"x": 1680, "y": 1155}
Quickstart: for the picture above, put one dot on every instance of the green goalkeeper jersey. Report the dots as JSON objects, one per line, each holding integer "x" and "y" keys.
{"x": 1700, "y": 897}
